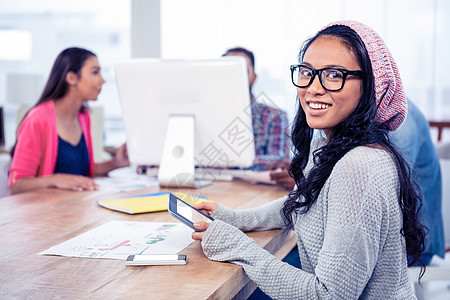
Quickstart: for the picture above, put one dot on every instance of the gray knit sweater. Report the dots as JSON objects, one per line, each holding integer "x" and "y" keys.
{"x": 349, "y": 241}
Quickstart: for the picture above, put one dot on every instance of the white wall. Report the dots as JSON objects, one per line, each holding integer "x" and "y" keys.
{"x": 102, "y": 26}
{"x": 416, "y": 31}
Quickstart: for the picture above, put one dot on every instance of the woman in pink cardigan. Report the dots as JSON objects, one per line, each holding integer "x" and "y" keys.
{"x": 54, "y": 144}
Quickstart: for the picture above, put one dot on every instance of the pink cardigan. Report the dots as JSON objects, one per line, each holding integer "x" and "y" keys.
{"x": 37, "y": 143}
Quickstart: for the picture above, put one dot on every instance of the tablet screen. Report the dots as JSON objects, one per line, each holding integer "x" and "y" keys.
{"x": 190, "y": 213}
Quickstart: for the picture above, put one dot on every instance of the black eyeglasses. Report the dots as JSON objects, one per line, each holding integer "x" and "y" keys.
{"x": 331, "y": 79}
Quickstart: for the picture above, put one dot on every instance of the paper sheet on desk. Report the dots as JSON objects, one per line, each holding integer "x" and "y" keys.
{"x": 125, "y": 184}
{"x": 118, "y": 239}
{"x": 256, "y": 177}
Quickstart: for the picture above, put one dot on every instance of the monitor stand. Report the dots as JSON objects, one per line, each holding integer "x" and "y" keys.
{"x": 177, "y": 167}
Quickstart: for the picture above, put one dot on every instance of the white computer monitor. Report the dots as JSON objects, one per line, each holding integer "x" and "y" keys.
{"x": 184, "y": 113}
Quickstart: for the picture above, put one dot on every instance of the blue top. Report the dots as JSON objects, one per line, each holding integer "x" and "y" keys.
{"x": 415, "y": 144}
{"x": 72, "y": 159}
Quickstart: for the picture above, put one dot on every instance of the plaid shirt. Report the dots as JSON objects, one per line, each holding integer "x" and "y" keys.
{"x": 271, "y": 133}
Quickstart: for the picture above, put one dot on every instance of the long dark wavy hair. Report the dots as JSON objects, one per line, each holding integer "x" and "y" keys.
{"x": 358, "y": 129}
{"x": 69, "y": 60}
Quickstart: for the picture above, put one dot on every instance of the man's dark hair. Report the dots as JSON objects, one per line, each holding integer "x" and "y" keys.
{"x": 244, "y": 51}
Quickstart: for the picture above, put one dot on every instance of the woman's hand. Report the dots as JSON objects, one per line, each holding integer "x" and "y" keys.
{"x": 72, "y": 182}
{"x": 59, "y": 181}
{"x": 198, "y": 235}
{"x": 283, "y": 179}
{"x": 119, "y": 160}
{"x": 208, "y": 208}
{"x": 121, "y": 157}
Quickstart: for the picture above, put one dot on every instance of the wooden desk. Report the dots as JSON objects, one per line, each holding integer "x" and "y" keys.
{"x": 33, "y": 222}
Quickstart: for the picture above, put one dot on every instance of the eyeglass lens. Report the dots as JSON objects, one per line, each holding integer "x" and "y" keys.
{"x": 331, "y": 79}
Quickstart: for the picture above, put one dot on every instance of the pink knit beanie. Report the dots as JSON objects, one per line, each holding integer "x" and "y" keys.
{"x": 389, "y": 93}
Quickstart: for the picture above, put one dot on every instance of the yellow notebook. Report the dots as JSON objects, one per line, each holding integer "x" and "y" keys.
{"x": 147, "y": 203}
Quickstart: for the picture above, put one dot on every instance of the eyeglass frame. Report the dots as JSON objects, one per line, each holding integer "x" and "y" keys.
{"x": 318, "y": 72}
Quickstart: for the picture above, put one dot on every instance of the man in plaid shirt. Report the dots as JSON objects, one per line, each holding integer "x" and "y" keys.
{"x": 270, "y": 124}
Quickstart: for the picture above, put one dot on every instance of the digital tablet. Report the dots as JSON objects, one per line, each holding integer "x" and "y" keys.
{"x": 186, "y": 213}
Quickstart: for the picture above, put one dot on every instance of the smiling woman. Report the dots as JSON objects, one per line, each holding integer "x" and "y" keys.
{"x": 325, "y": 107}
{"x": 355, "y": 209}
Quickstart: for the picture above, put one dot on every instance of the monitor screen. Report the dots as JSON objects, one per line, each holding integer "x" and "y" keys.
{"x": 215, "y": 93}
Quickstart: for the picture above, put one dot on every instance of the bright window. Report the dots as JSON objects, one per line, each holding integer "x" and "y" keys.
{"x": 16, "y": 45}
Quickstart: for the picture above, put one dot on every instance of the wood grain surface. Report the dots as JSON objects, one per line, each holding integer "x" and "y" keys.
{"x": 33, "y": 222}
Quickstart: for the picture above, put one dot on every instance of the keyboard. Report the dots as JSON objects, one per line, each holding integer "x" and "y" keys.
{"x": 221, "y": 174}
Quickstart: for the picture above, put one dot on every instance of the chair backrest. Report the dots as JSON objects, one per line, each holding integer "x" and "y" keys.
{"x": 5, "y": 162}
{"x": 97, "y": 132}
{"x": 443, "y": 150}
{"x": 23, "y": 89}
{"x": 440, "y": 127}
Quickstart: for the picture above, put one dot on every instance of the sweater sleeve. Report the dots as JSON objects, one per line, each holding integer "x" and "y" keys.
{"x": 265, "y": 217}
{"x": 354, "y": 213}
{"x": 224, "y": 242}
